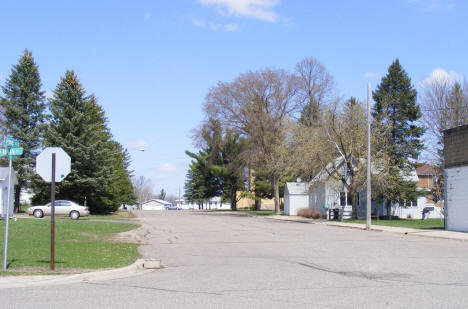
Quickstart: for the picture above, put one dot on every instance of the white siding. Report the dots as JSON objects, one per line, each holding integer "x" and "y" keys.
{"x": 456, "y": 198}
{"x": 4, "y": 197}
{"x": 152, "y": 206}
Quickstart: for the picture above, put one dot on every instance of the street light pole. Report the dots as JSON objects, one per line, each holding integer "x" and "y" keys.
{"x": 369, "y": 192}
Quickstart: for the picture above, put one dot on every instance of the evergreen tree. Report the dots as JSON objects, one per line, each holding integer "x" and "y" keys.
{"x": 24, "y": 117}
{"x": 201, "y": 183}
{"x": 162, "y": 195}
{"x": 396, "y": 110}
{"x": 99, "y": 172}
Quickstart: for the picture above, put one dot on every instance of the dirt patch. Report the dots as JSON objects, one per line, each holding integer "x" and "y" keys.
{"x": 36, "y": 271}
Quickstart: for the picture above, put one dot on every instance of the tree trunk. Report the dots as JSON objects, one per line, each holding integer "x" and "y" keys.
{"x": 276, "y": 193}
{"x": 258, "y": 202}
{"x": 234, "y": 200}
{"x": 17, "y": 197}
{"x": 388, "y": 205}
{"x": 354, "y": 205}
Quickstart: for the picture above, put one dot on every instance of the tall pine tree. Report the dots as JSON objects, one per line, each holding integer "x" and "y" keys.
{"x": 99, "y": 165}
{"x": 24, "y": 116}
{"x": 397, "y": 111}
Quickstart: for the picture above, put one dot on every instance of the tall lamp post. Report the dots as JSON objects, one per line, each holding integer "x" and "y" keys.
{"x": 369, "y": 192}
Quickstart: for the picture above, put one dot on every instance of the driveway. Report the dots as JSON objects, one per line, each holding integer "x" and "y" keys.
{"x": 218, "y": 260}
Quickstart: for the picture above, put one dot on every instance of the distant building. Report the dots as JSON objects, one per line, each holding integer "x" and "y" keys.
{"x": 155, "y": 204}
{"x": 4, "y": 171}
{"x": 296, "y": 196}
{"x": 456, "y": 178}
{"x": 324, "y": 194}
{"x": 430, "y": 180}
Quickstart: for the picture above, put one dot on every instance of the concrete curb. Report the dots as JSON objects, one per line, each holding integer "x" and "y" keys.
{"x": 137, "y": 268}
{"x": 442, "y": 234}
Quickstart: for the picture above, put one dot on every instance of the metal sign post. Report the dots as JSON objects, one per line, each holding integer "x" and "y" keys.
{"x": 50, "y": 163}
{"x": 11, "y": 150}
{"x": 7, "y": 216}
{"x": 52, "y": 216}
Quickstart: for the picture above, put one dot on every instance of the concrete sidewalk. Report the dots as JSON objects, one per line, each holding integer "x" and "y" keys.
{"x": 399, "y": 230}
{"x": 137, "y": 268}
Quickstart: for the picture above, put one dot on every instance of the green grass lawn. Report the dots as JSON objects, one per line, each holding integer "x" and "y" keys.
{"x": 78, "y": 244}
{"x": 415, "y": 224}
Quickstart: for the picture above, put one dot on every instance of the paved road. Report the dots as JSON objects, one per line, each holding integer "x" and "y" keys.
{"x": 219, "y": 260}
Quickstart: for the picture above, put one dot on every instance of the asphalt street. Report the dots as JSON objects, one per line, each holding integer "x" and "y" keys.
{"x": 218, "y": 260}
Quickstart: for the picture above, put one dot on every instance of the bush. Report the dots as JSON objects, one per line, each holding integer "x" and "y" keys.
{"x": 309, "y": 213}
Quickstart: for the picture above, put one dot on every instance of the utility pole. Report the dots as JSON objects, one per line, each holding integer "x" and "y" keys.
{"x": 369, "y": 192}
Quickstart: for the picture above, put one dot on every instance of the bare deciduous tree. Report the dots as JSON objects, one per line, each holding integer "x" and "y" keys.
{"x": 258, "y": 105}
{"x": 445, "y": 105}
{"x": 336, "y": 149}
{"x": 143, "y": 189}
{"x": 315, "y": 89}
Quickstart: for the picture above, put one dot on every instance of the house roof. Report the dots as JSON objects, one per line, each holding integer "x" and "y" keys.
{"x": 157, "y": 201}
{"x": 297, "y": 187}
{"x": 426, "y": 169}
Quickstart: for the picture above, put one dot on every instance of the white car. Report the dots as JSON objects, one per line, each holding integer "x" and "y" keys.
{"x": 62, "y": 208}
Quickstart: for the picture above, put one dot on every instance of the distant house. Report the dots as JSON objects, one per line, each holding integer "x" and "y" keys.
{"x": 323, "y": 193}
{"x": 215, "y": 202}
{"x": 429, "y": 180}
{"x": 456, "y": 178}
{"x": 4, "y": 171}
{"x": 155, "y": 204}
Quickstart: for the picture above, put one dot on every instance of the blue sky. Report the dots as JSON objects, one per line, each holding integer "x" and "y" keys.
{"x": 150, "y": 63}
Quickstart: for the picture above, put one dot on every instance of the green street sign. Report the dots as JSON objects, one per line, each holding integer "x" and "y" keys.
{"x": 13, "y": 151}
{"x": 16, "y": 151}
{"x": 10, "y": 141}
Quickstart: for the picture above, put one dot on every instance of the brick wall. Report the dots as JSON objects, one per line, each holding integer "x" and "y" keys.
{"x": 456, "y": 146}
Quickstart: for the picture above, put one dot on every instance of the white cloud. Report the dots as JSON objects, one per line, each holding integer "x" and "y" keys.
{"x": 147, "y": 16}
{"x": 139, "y": 143}
{"x": 371, "y": 75}
{"x": 257, "y": 9}
{"x": 214, "y": 26}
{"x": 205, "y": 24}
{"x": 231, "y": 27}
{"x": 167, "y": 167}
{"x": 441, "y": 76}
{"x": 433, "y": 5}
{"x": 2, "y": 77}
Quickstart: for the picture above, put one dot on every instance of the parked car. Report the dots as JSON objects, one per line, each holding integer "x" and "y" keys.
{"x": 62, "y": 208}
{"x": 171, "y": 207}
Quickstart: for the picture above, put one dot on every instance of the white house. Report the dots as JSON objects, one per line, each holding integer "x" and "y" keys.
{"x": 296, "y": 196}
{"x": 456, "y": 178}
{"x": 4, "y": 190}
{"x": 155, "y": 204}
{"x": 323, "y": 193}
{"x": 212, "y": 203}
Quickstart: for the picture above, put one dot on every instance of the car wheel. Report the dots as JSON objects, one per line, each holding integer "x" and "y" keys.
{"x": 38, "y": 213}
{"x": 74, "y": 215}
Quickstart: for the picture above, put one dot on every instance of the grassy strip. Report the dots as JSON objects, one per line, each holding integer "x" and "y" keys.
{"x": 78, "y": 244}
{"x": 414, "y": 224}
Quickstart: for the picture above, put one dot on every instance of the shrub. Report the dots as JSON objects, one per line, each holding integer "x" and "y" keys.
{"x": 309, "y": 213}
